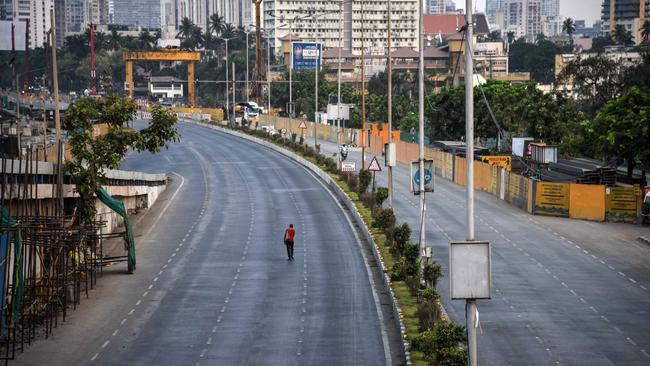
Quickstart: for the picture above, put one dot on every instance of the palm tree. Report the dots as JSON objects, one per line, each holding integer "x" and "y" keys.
{"x": 185, "y": 29}
{"x": 622, "y": 35}
{"x": 540, "y": 38}
{"x": 216, "y": 24}
{"x": 494, "y": 36}
{"x": 569, "y": 26}
{"x": 197, "y": 37}
{"x": 145, "y": 40}
{"x": 115, "y": 40}
{"x": 645, "y": 31}
{"x": 228, "y": 31}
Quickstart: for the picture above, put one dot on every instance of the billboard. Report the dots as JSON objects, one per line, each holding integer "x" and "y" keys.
{"x": 305, "y": 55}
{"x": 19, "y": 35}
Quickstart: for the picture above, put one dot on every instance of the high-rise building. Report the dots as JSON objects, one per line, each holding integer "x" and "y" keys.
{"x": 324, "y": 26}
{"x": 235, "y": 12}
{"x": 523, "y": 17}
{"x": 6, "y": 9}
{"x": 550, "y": 8}
{"x": 139, "y": 13}
{"x": 40, "y": 22}
{"x": 492, "y": 7}
{"x": 631, "y": 14}
{"x": 96, "y": 12}
{"x": 436, "y": 7}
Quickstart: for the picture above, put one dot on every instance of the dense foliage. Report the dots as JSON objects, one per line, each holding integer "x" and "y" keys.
{"x": 93, "y": 154}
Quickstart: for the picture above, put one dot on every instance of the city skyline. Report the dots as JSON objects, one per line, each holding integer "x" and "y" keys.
{"x": 589, "y": 10}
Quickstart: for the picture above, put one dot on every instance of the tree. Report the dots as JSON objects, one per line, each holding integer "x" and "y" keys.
{"x": 91, "y": 156}
{"x": 540, "y": 38}
{"x": 623, "y": 36}
{"x": 216, "y": 24}
{"x": 185, "y": 31}
{"x": 595, "y": 80}
{"x": 645, "y": 31}
{"x": 494, "y": 36}
{"x": 510, "y": 36}
{"x": 569, "y": 27}
{"x": 538, "y": 59}
{"x": 599, "y": 43}
{"x": 146, "y": 40}
{"x": 621, "y": 130}
{"x": 115, "y": 41}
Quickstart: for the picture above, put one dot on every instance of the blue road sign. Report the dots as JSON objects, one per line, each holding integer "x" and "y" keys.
{"x": 305, "y": 55}
{"x": 427, "y": 177}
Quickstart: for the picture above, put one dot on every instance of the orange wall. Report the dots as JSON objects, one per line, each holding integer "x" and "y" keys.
{"x": 587, "y": 202}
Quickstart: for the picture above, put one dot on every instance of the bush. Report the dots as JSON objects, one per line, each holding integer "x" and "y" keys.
{"x": 330, "y": 165}
{"x": 368, "y": 200}
{"x": 412, "y": 282}
{"x": 381, "y": 194}
{"x": 400, "y": 236}
{"x": 432, "y": 273}
{"x": 411, "y": 252}
{"x": 384, "y": 218}
{"x": 365, "y": 178}
{"x": 443, "y": 345}
{"x": 302, "y": 139}
{"x": 428, "y": 314}
{"x": 293, "y": 137}
{"x": 352, "y": 180}
{"x": 430, "y": 294}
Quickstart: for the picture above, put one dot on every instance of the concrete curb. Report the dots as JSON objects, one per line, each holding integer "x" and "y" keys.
{"x": 365, "y": 232}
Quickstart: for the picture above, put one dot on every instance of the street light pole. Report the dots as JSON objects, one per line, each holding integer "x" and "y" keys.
{"x": 364, "y": 135}
{"x": 338, "y": 97}
{"x": 247, "y": 95}
{"x": 227, "y": 81}
{"x": 469, "y": 154}
{"x": 421, "y": 127}
{"x": 316, "y": 102}
{"x": 389, "y": 66}
{"x": 268, "y": 77}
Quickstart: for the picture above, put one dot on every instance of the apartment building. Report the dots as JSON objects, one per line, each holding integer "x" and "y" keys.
{"x": 631, "y": 14}
{"x": 139, "y": 13}
{"x": 282, "y": 17}
{"x": 523, "y": 17}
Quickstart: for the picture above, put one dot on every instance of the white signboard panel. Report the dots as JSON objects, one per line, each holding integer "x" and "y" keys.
{"x": 470, "y": 270}
{"x": 348, "y": 166}
{"x": 19, "y": 35}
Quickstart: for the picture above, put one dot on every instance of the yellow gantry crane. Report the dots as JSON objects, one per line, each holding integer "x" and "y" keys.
{"x": 163, "y": 55}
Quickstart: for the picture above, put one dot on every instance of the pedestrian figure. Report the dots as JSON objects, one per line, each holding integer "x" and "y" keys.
{"x": 289, "y": 236}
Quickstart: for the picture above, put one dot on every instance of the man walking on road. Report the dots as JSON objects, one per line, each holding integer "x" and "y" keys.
{"x": 289, "y": 235}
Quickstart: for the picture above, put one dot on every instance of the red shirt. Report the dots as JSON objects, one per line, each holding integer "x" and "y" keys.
{"x": 289, "y": 234}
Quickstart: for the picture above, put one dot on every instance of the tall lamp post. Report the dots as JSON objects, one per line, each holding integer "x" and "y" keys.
{"x": 227, "y": 80}
{"x": 389, "y": 67}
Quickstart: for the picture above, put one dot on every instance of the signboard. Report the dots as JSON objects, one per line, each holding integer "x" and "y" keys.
{"x": 501, "y": 161}
{"x": 348, "y": 166}
{"x": 428, "y": 176}
{"x": 302, "y": 125}
{"x": 470, "y": 270}
{"x": 374, "y": 165}
{"x": 623, "y": 203}
{"x": 305, "y": 55}
{"x": 333, "y": 112}
{"x": 552, "y": 199}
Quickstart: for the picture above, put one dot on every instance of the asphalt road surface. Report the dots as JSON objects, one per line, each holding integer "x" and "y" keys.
{"x": 213, "y": 284}
{"x": 565, "y": 292}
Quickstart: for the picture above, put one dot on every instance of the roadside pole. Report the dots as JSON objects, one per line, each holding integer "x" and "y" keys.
{"x": 316, "y": 102}
{"x": 390, "y": 111}
{"x": 57, "y": 119}
{"x": 421, "y": 129}
{"x": 338, "y": 98}
{"x": 469, "y": 153}
{"x": 233, "y": 90}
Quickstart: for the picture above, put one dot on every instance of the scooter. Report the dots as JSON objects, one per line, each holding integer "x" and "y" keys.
{"x": 344, "y": 154}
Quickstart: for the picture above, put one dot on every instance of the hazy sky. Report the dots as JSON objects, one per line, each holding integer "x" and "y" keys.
{"x": 588, "y": 10}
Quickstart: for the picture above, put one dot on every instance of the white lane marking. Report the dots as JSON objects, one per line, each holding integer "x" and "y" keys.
{"x": 123, "y": 321}
{"x": 203, "y": 353}
{"x": 209, "y": 341}
{"x": 115, "y": 332}
{"x": 131, "y": 312}
{"x": 621, "y": 273}
{"x": 645, "y": 353}
{"x": 604, "y": 318}
{"x": 94, "y": 357}
{"x": 631, "y": 280}
{"x": 145, "y": 294}
{"x": 138, "y": 303}
{"x": 155, "y": 279}
{"x": 105, "y": 344}
{"x": 150, "y": 287}
{"x": 171, "y": 199}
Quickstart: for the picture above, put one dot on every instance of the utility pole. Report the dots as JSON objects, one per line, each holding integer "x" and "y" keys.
{"x": 93, "y": 84}
{"x": 258, "y": 55}
{"x": 227, "y": 81}
{"x": 338, "y": 98}
{"x": 423, "y": 206}
{"x": 290, "y": 73}
{"x": 469, "y": 155}
{"x": 57, "y": 118}
{"x": 363, "y": 94}
{"x": 247, "y": 92}
{"x": 233, "y": 90}
{"x": 389, "y": 65}
{"x": 316, "y": 101}
{"x": 268, "y": 77}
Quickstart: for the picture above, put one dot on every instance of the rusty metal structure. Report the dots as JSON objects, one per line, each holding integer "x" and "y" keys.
{"x": 48, "y": 261}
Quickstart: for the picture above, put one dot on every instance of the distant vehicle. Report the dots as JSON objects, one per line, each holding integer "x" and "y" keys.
{"x": 252, "y": 112}
{"x": 270, "y": 129}
{"x": 169, "y": 43}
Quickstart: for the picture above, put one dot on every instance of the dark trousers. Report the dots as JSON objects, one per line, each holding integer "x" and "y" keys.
{"x": 289, "y": 245}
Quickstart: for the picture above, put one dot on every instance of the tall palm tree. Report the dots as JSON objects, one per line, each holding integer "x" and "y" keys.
{"x": 146, "y": 40}
{"x": 645, "y": 31}
{"x": 197, "y": 37}
{"x": 115, "y": 40}
{"x": 569, "y": 26}
{"x": 228, "y": 31}
{"x": 216, "y": 24}
{"x": 622, "y": 35}
{"x": 540, "y": 38}
{"x": 185, "y": 29}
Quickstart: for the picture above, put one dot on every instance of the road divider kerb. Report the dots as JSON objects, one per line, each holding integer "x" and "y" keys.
{"x": 340, "y": 194}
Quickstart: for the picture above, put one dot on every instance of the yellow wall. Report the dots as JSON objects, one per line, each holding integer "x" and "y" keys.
{"x": 552, "y": 199}
{"x": 587, "y": 202}
{"x": 623, "y": 203}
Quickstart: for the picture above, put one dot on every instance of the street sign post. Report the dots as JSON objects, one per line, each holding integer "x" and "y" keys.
{"x": 429, "y": 179}
{"x": 303, "y": 127}
{"x": 348, "y": 166}
{"x": 374, "y": 165}
{"x": 470, "y": 270}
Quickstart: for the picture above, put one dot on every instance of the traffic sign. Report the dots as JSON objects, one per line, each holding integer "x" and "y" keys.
{"x": 374, "y": 165}
{"x": 428, "y": 176}
{"x": 348, "y": 166}
{"x": 302, "y": 125}
{"x": 283, "y": 131}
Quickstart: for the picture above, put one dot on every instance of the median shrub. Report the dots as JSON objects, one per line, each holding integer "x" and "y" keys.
{"x": 330, "y": 164}
{"x": 398, "y": 237}
{"x": 431, "y": 273}
{"x": 428, "y": 314}
{"x": 384, "y": 218}
{"x": 443, "y": 345}
{"x": 365, "y": 178}
{"x": 381, "y": 194}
